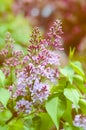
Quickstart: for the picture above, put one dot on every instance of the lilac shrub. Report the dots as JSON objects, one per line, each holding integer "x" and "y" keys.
{"x": 35, "y": 92}
{"x": 32, "y": 74}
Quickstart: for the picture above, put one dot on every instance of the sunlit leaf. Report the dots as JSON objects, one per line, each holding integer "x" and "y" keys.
{"x": 2, "y": 79}
{"x": 73, "y": 95}
{"x": 16, "y": 124}
{"x": 68, "y": 72}
{"x": 4, "y": 96}
{"x": 77, "y": 67}
{"x": 55, "y": 108}
{"x": 79, "y": 81}
{"x": 5, "y": 115}
{"x": 4, "y": 127}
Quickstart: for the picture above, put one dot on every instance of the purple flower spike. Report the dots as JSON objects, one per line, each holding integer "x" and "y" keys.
{"x": 36, "y": 70}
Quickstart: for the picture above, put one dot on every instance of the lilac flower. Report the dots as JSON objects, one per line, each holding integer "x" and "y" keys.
{"x": 25, "y": 59}
{"x": 40, "y": 92}
{"x": 23, "y": 106}
{"x": 11, "y": 58}
{"x": 51, "y": 74}
{"x": 80, "y": 121}
{"x": 20, "y": 85}
{"x": 54, "y": 39}
{"x": 54, "y": 58}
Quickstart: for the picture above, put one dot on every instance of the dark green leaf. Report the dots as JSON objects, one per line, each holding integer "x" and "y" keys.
{"x": 46, "y": 122}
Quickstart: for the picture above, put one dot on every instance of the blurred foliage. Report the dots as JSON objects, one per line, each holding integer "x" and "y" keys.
{"x": 43, "y": 13}
{"x": 5, "y": 6}
{"x": 18, "y": 26}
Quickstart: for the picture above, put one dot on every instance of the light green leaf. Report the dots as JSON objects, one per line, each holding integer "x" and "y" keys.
{"x": 4, "y": 116}
{"x": 26, "y": 128}
{"x": 16, "y": 125}
{"x": 68, "y": 72}
{"x": 73, "y": 95}
{"x": 4, "y": 96}
{"x": 55, "y": 108}
{"x": 68, "y": 112}
{"x": 78, "y": 77}
{"x": 80, "y": 83}
{"x": 77, "y": 67}
{"x": 2, "y": 79}
{"x": 3, "y": 127}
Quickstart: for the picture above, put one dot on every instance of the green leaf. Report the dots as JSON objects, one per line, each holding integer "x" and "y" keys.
{"x": 78, "y": 77}
{"x": 73, "y": 95}
{"x": 36, "y": 120}
{"x": 3, "y": 127}
{"x": 55, "y": 108}
{"x": 71, "y": 54}
{"x": 4, "y": 116}
{"x": 40, "y": 122}
{"x": 2, "y": 79}
{"x": 4, "y": 96}
{"x": 30, "y": 123}
{"x": 59, "y": 87}
{"x": 68, "y": 112}
{"x": 26, "y": 128}
{"x": 79, "y": 81}
{"x": 68, "y": 72}
{"x": 46, "y": 122}
{"x": 77, "y": 67}
{"x": 16, "y": 124}
{"x": 82, "y": 104}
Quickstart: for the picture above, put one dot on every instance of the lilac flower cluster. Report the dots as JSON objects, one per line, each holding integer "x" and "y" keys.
{"x": 19, "y": 88}
{"x": 40, "y": 92}
{"x": 80, "y": 121}
{"x": 10, "y": 55}
{"x": 39, "y": 69}
{"x": 54, "y": 39}
{"x": 23, "y": 106}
